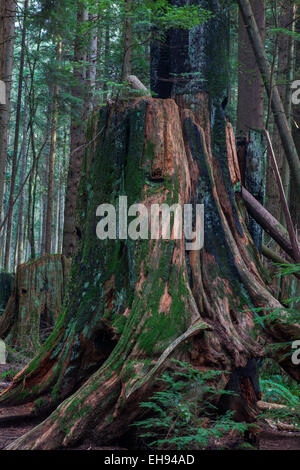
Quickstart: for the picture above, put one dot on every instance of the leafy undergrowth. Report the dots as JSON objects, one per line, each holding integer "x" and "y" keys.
{"x": 277, "y": 387}
{"x": 182, "y": 415}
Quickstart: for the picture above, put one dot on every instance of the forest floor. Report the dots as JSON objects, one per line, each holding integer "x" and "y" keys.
{"x": 17, "y": 421}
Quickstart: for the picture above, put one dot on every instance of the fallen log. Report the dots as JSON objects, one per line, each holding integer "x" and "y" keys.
{"x": 263, "y": 405}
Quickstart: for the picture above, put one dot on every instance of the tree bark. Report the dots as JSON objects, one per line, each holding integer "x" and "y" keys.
{"x": 93, "y": 57}
{"x": 250, "y": 109}
{"x": 78, "y": 117}
{"x": 7, "y": 38}
{"x": 51, "y": 167}
{"x": 16, "y": 145}
{"x": 20, "y": 254}
{"x": 283, "y": 80}
{"x": 128, "y": 38}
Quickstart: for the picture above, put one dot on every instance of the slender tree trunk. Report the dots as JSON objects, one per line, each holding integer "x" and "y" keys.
{"x": 51, "y": 167}
{"x": 30, "y": 208}
{"x": 283, "y": 80}
{"x": 20, "y": 254}
{"x": 7, "y": 38}
{"x": 78, "y": 117}
{"x": 16, "y": 143}
{"x": 106, "y": 61}
{"x": 127, "y": 58}
{"x": 93, "y": 58}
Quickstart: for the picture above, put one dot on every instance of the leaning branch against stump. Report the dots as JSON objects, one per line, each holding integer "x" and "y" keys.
{"x": 268, "y": 222}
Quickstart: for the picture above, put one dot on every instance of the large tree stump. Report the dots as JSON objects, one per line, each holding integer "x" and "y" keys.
{"x": 35, "y": 303}
{"x": 133, "y": 305}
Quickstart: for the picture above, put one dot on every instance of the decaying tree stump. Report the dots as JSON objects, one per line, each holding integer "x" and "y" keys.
{"x": 35, "y": 303}
{"x": 131, "y": 306}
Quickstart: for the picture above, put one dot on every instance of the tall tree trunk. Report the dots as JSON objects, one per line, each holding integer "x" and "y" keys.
{"x": 127, "y": 58}
{"x": 7, "y": 39}
{"x": 283, "y": 80}
{"x": 45, "y": 176}
{"x": 93, "y": 58}
{"x": 30, "y": 207}
{"x": 273, "y": 93}
{"x": 250, "y": 116}
{"x": 20, "y": 254}
{"x": 106, "y": 61}
{"x": 77, "y": 138}
{"x": 51, "y": 167}
{"x": 16, "y": 143}
{"x": 250, "y": 110}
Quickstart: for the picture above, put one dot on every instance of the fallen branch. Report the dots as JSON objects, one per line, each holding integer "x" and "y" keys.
{"x": 267, "y": 222}
{"x": 136, "y": 84}
{"x": 263, "y": 405}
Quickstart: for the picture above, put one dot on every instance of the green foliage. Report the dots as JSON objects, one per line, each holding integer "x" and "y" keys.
{"x": 9, "y": 374}
{"x": 165, "y": 16}
{"x": 287, "y": 315}
{"x": 279, "y": 388}
{"x": 182, "y": 415}
{"x": 287, "y": 269}
{"x": 276, "y": 386}
{"x": 288, "y": 32}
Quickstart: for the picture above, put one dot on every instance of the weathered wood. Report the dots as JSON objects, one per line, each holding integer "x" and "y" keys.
{"x": 136, "y": 84}
{"x": 2, "y": 352}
